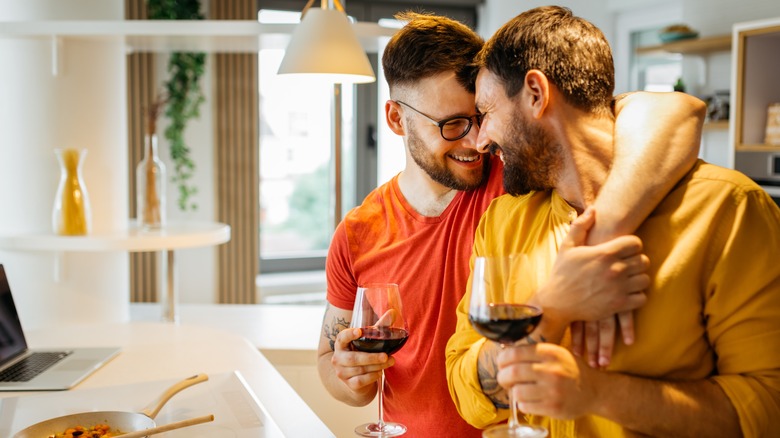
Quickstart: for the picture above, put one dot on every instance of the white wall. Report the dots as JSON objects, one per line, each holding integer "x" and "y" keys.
{"x": 494, "y": 13}
{"x": 82, "y": 106}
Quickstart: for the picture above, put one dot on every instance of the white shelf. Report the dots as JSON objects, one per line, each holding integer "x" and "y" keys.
{"x": 236, "y": 36}
{"x": 175, "y": 235}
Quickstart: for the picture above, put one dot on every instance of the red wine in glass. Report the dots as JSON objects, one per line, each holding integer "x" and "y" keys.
{"x": 379, "y": 316}
{"x": 507, "y": 323}
{"x": 381, "y": 340}
{"x": 498, "y": 288}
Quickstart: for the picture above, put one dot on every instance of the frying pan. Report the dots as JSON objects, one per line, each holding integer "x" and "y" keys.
{"x": 118, "y": 420}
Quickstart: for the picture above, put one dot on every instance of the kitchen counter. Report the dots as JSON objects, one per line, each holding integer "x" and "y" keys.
{"x": 154, "y": 351}
{"x": 259, "y": 323}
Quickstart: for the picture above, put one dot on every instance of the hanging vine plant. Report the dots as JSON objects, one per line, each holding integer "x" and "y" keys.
{"x": 184, "y": 95}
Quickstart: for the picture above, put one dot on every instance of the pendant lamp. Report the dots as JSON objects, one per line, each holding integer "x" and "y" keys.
{"x": 324, "y": 46}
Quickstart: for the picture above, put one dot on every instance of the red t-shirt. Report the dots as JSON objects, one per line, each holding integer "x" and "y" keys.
{"x": 385, "y": 240}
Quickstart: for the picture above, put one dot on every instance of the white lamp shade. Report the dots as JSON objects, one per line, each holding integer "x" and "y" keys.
{"x": 324, "y": 46}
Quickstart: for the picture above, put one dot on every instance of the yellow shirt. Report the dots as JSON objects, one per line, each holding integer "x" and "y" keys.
{"x": 713, "y": 310}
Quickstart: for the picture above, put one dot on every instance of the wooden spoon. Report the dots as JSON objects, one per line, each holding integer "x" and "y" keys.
{"x": 167, "y": 427}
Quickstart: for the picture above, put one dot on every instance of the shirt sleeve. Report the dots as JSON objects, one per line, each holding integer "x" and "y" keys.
{"x": 341, "y": 282}
{"x": 742, "y": 313}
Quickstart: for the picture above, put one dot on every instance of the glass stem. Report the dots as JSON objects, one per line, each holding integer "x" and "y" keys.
{"x": 380, "y": 391}
{"x": 514, "y": 423}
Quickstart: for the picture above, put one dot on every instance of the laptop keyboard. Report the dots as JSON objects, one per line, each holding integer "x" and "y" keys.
{"x": 32, "y": 365}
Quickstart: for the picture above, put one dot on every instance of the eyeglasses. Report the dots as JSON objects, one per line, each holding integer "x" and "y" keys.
{"x": 452, "y": 128}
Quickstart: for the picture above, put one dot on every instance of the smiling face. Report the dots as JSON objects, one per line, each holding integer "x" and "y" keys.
{"x": 532, "y": 159}
{"x": 453, "y": 164}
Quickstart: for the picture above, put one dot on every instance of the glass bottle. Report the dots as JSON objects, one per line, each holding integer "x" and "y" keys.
{"x": 71, "y": 215}
{"x": 150, "y": 187}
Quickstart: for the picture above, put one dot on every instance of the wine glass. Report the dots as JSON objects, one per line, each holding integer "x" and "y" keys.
{"x": 379, "y": 316}
{"x": 499, "y": 288}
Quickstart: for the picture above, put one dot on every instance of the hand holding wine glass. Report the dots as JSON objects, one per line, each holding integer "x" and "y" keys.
{"x": 379, "y": 316}
{"x": 499, "y": 288}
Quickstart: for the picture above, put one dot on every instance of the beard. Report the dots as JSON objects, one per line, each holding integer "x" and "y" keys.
{"x": 532, "y": 160}
{"x": 439, "y": 172}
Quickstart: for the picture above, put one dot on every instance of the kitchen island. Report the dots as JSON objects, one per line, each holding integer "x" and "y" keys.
{"x": 157, "y": 351}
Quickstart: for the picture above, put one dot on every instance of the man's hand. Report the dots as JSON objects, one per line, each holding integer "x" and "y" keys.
{"x": 358, "y": 370}
{"x": 591, "y": 283}
{"x": 547, "y": 380}
{"x": 595, "y": 340}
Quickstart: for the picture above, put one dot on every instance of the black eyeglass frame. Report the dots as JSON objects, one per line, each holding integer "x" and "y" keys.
{"x": 440, "y": 123}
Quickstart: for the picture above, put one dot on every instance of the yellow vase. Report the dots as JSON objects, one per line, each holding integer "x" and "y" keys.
{"x": 71, "y": 215}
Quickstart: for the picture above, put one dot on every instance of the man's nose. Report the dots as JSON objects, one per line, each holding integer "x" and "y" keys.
{"x": 483, "y": 142}
{"x": 470, "y": 139}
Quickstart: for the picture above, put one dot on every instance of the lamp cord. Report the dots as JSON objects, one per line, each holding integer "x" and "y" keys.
{"x": 336, "y": 3}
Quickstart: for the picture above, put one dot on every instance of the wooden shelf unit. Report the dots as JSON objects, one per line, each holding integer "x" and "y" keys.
{"x": 755, "y": 71}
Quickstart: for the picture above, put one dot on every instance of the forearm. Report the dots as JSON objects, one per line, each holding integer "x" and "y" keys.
{"x": 487, "y": 370}
{"x": 338, "y": 389}
{"x": 665, "y": 408}
{"x": 657, "y": 138}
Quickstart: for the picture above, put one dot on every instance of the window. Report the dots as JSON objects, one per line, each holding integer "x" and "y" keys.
{"x": 296, "y": 188}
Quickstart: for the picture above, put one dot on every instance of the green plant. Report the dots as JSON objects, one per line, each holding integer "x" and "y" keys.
{"x": 183, "y": 94}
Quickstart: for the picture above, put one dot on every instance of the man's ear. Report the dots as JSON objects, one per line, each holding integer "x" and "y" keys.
{"x": 393, "y": 117}
{"x": 538, "y": 92}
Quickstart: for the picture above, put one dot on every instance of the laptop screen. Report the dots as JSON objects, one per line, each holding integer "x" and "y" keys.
{"x": 12, "y": 340}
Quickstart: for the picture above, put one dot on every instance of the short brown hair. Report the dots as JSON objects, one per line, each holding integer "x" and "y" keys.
{"x": 428, "y": 45}
{"x": 569, "y": 50}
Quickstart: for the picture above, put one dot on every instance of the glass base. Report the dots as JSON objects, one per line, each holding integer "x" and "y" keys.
{"x": 374, "y": 429}
{"x": 521, "y": 431}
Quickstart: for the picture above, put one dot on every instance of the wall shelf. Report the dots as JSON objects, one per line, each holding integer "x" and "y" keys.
{"x": 716, "y": 125}
{"x": 694, "y": 46}
{"x": 176, "y": 235}
{"x": 757, "y": 148}
{"x": 237, "y": 36}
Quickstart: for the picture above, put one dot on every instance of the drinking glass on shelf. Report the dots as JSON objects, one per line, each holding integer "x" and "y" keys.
{"x": 379, "y": 316}
{"x": 500, "y": 286}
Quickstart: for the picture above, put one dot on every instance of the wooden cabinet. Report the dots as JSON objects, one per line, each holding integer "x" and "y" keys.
{"x": 756, "y": 82}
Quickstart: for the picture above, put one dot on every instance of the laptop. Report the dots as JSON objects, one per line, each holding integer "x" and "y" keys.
{"x": 25, "y": 369}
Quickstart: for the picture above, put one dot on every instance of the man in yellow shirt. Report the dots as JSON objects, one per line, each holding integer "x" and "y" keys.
{"x": 706, "y": 361}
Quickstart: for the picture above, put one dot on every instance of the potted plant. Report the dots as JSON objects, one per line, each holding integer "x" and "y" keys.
{"x": 183, "y": 95}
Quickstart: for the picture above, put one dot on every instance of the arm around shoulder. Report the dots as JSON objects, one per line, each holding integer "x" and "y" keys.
{"x": 657, "y": 139}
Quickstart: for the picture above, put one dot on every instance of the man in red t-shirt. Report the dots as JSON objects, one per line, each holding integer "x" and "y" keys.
{"x": 417, "y": 229}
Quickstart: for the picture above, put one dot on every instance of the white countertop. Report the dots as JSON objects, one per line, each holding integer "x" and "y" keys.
{"x": 225, "y": 396}
{"x": 155, "y": 351}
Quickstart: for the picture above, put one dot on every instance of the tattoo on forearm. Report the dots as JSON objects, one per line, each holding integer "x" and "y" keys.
{"x": 332, "y": 330}
{"x": 487, "y": 372}
{"x": 532, "y": 341}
